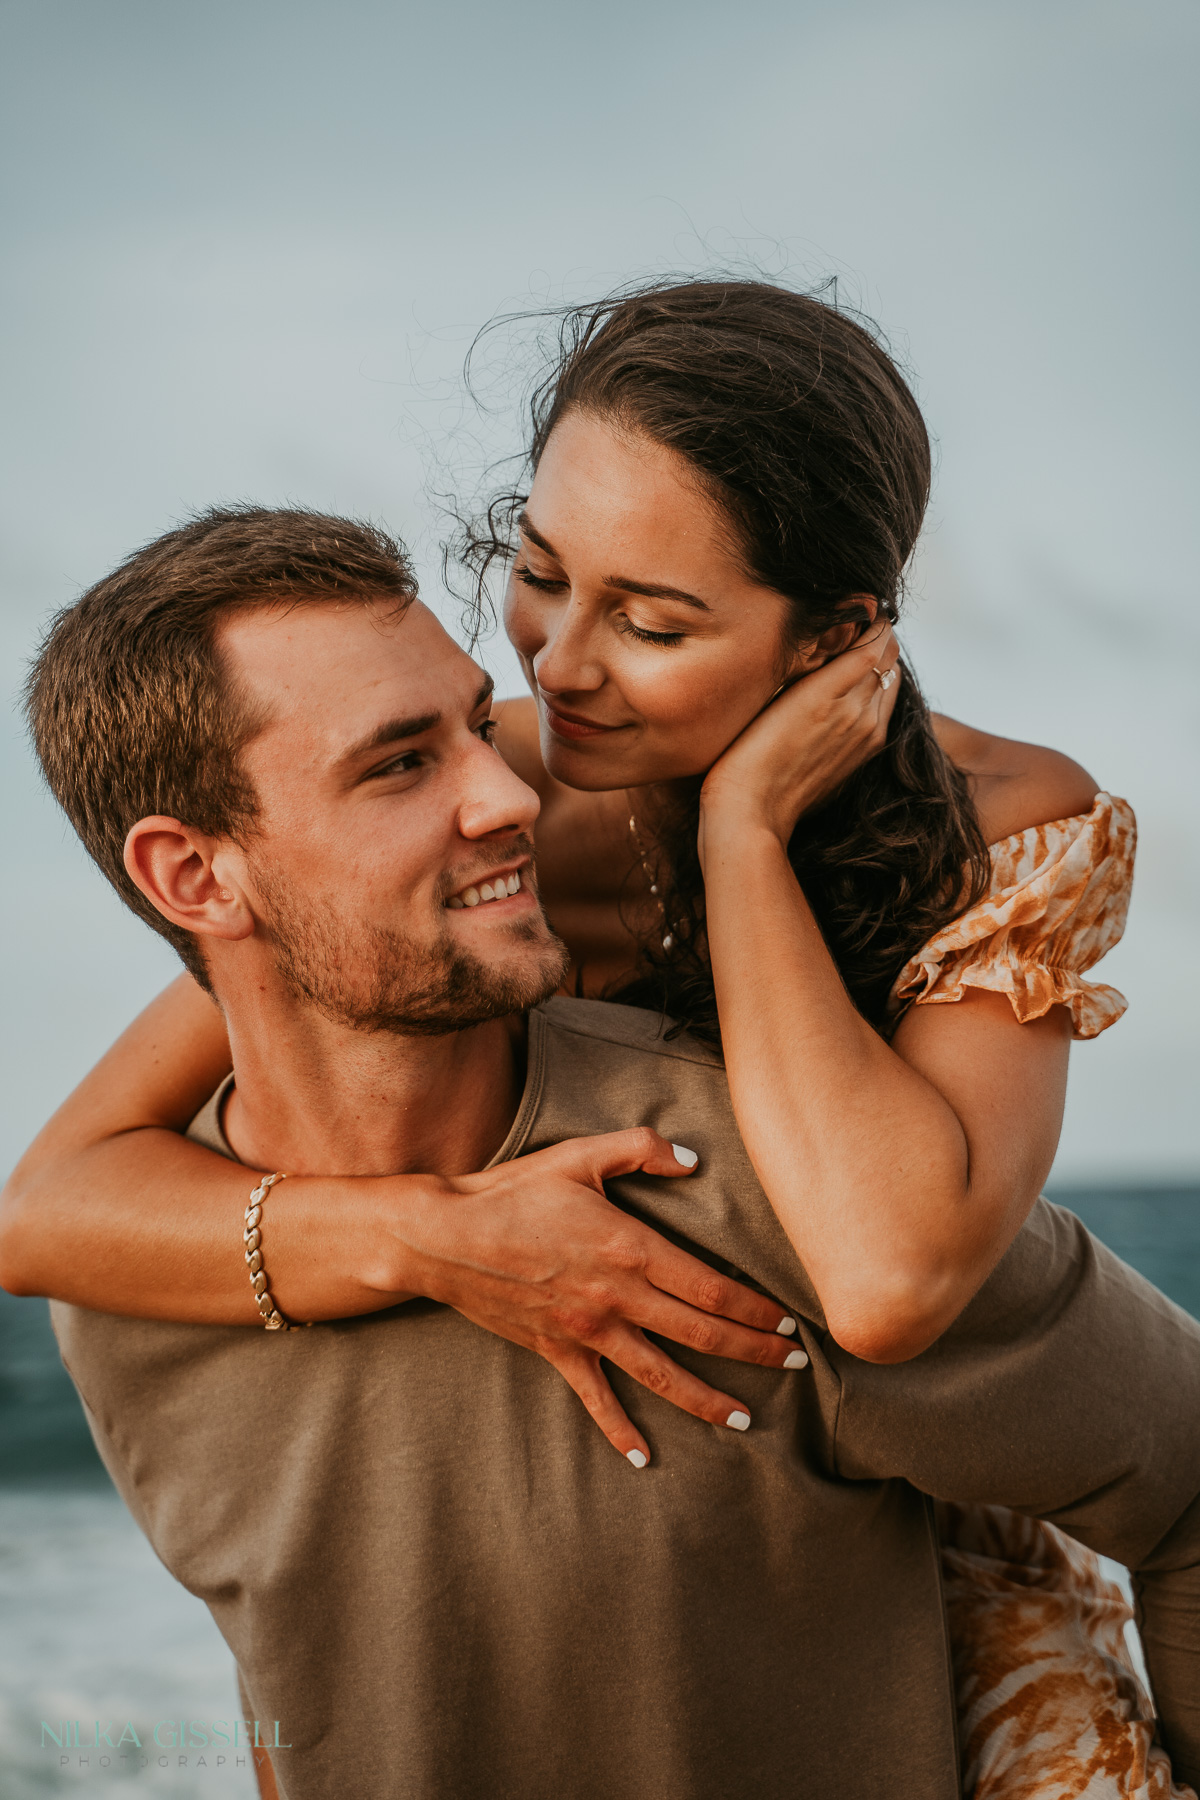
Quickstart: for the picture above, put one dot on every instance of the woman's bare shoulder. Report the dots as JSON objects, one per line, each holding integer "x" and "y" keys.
{"x": 1015, "y": 785}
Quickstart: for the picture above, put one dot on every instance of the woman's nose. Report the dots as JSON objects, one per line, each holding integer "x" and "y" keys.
{"x": 566, "y": 661}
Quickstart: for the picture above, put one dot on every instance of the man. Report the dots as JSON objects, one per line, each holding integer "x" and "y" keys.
{"x": 430, "y": 1569}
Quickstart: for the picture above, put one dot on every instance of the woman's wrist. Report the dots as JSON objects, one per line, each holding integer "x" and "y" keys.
{"x": 398, "y": 1221}
{"x": 735, "y": 822}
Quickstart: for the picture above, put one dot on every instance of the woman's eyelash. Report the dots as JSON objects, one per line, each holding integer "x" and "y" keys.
{"x": 542, "y": 583}
{"x": 488, "y": 730}
{"x": 545, "y": 585}
{"x": 663, "y": 638}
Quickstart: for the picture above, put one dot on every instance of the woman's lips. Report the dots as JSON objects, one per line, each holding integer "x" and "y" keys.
{"x": 574, "y": 729}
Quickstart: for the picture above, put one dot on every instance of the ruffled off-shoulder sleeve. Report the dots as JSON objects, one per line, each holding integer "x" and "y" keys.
{"x": 1058, "y": 901}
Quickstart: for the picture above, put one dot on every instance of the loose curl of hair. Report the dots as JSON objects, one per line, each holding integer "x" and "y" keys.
{"x": 812, "y": 445}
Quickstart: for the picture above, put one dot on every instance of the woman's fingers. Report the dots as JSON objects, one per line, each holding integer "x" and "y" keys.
{"x": 715, "y": 1335}
{"x": 581, "y": 1370}
{"x": 682, "y": 1276}
{"x": 673, "y": 1271}
{"x": 628, "y": 1349}
{"x": 873, "y": 655}
{"x": 646, "y": 1364}
{"x": 598, "y": 1159}
{"x": 668, "y": 1268}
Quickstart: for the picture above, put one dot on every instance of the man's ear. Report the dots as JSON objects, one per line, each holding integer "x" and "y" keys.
{"x": 185, "y": 875}
{"x": 816, "y": 652}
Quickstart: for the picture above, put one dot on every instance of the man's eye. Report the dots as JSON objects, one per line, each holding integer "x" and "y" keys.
{"x": 543, "y": 584}
{"x": 403, "y": 764}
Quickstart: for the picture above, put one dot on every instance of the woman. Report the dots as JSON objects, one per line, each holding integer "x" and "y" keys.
{"x": 751, "y": 821}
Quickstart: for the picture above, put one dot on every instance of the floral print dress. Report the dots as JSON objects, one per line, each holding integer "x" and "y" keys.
{"x": 1051, "y": 1704}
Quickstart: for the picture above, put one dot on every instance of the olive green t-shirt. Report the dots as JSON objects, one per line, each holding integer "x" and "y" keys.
{"x": 443, "y": 1581}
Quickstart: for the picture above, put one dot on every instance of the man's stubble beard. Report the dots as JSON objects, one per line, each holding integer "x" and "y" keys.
{"x": 373, "y": 978}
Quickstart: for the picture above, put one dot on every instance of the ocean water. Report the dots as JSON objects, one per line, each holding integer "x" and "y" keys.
{"x": 93, "y": 1629}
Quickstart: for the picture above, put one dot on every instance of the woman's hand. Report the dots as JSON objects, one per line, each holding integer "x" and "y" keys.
{"x": 811, "y": 737}
{"x": 533, "y": 1251}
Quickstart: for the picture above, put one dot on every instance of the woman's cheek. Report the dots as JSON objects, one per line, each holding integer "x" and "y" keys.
{"x": 693, "y": 711}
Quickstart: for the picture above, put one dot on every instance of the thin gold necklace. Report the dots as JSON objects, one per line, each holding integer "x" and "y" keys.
{"x": 651, "y": 873}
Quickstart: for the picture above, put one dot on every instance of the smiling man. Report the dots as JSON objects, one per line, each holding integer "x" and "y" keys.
{"x": 432, "y": 1571}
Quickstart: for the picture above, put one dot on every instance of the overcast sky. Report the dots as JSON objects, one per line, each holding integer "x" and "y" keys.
{"x": 247, "y": 245}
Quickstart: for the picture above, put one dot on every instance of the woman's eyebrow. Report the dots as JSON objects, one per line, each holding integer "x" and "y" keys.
{"x": 652, "y": 590}
{"x": 525, "y": 524}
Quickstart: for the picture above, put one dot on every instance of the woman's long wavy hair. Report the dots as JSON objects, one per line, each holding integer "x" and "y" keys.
{"x": 809, "y": 440}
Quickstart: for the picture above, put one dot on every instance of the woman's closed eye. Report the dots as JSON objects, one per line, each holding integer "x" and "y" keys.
{"x": 664, "y": 639}
{"x": 556, "y": 584}
{"x": 542, "y": 584}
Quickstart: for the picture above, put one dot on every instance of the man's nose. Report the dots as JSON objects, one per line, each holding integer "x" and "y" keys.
{"x": 494, "y": 799}
{"x": 567, "y": 661}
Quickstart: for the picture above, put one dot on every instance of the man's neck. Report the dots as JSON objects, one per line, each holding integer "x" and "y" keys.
{"x": 315, "y": 1098}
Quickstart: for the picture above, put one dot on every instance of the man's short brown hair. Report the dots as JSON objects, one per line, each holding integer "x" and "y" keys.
{"x": 131, "y": 711}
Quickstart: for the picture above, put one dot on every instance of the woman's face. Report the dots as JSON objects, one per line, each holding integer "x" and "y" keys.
{"x": 647, "y": 646}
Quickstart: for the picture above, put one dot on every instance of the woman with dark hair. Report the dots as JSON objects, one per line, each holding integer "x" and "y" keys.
{"x": 728, "y": 483}
{"x": 752, "y": 824}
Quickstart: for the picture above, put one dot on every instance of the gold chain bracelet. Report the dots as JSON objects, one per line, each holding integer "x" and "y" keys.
{"x": 272, "y": 1318}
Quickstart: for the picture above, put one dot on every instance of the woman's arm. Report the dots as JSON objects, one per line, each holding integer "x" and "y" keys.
{"x": 112, "y": 1209}
{"x": 900, "y": 1172}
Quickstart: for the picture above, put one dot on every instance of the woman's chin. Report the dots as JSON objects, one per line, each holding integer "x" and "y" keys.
{"x": 590, "y": 766}
{"x": 598, "y": 767}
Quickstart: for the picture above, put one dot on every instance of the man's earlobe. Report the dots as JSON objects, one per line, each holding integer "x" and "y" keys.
{"x": 172, "y": 865}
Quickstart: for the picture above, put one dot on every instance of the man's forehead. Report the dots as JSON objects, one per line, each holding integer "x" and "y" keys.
{"x": 333, "y": 666}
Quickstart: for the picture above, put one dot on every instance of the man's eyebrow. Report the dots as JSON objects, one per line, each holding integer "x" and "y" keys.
{"x": 392, "y": 731}
{"x": 395, "y": 731}
{"x": 652, "y": 590}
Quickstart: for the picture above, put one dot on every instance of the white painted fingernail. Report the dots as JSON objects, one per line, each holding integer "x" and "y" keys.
{"x": 688, "y": 1158}
{"x": 739, "y": 1420}
{"x": 637, "y": 1458}
{"x": 796, "y": 1359}
{"x": 786, "y": 1328}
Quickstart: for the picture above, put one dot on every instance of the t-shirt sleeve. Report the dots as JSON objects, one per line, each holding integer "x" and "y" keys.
{"x": 1057, "y": 903}
{"x": 1068, "y": 1388}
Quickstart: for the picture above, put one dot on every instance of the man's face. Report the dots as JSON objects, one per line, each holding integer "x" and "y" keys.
{"x": 383, "y": 812}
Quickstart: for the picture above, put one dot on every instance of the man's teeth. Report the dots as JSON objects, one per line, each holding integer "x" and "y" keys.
{"x": 488, "y": 890}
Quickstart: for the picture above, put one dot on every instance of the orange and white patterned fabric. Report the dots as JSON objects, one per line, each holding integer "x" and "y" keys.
{"x": 1057, "y": 903}
{"x": 1050, "y": 1704}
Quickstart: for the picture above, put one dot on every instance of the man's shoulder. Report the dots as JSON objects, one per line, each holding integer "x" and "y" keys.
{"x": 627, "y": 1028}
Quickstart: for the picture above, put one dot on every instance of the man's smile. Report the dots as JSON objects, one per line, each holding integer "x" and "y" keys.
{"x": 502, "y": 887}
